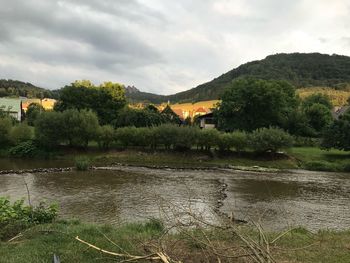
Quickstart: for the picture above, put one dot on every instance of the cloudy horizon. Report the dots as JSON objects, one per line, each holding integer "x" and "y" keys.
{"x": 159, "y": 46}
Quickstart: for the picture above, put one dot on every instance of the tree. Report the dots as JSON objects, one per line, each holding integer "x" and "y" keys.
{"x": 106, "y": 100}
{"x": 270, "y": 140}
{"x": 337, "y": 135}
{"x": 49, "y": 129}
{"x": 319, "y": 116}
{"x": 317, "y": 99}
{"x": 79, "y": 127}
{"x": 33, "y": 111}
{"x": 105, "y": 136}
{"x": 21, "y": 133}
{"x": 251, "y": 103}
{"x": 5, "y": 127}
{"x": 140, "y": 118}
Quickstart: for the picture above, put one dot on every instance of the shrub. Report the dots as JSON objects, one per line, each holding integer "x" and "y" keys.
{"x": 16, "y": 217}
{"x": 270, "y": 140}
{"x": 5, "y": 127}
{"x": 185, "y": 138}
{"x": 143, "y": 137}
{"x": 82, "y": 163}
{"x": 208, "y": 138}
{"x": 49, "y": 129}
{"x": 321, "y": 166}
{"x": 224, "y": 141}
{"x": 24, "y": 149}
{"x": 346, "y": 167}
{"x": 238, "y": 140}
{"x": 105, "y": 136}
{"x": 21, "y": 133}
{"x": 166, "y": 134}
{"x": 126, "y": 136}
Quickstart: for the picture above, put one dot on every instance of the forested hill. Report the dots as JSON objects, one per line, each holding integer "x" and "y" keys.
{"x": 18, "y": 88}
{"x": 302, "y": 70}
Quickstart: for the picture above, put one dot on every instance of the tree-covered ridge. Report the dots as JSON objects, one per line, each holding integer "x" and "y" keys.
{"x": 300, "y": 69}
{"x": 17, "y": 88}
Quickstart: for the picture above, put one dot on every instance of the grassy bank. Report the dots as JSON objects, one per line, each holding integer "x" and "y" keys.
{"x": 309, "y": 158}
{"x": 39, "y": 244}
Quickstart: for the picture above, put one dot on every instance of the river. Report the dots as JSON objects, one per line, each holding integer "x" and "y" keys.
{"x": 315, "y": 200}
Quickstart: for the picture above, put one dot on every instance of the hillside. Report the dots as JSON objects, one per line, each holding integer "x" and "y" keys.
{"x": 302, "y": 70}
{"x": 18, "y": 88}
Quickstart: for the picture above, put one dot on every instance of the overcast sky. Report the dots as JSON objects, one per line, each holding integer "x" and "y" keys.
{"x": 160, "y": 46}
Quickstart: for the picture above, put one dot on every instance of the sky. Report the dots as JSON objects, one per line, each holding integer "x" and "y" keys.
{"x": 159, "y": 46}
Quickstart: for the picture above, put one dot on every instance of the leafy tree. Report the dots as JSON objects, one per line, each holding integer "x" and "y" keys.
{"x": 318, "y": 99}
{"x": 49, "y": 128}
{"x": 33, "y": 111}
{"x": 207, "y": 138}
{"x": 106, "y": 100}
{"x": 105, "y": 136}
{"x": 224, "y": 142}
{"x": 21, "y": 133}
{"x": 270, "y": 140}
{"x": 166, "y": 135}
{"x": 126, "y": 136}
{"x": 319, "y": 116}
{"x": 250, "y": 104}
{"x": 238, "y": 140}
{"x": 79, "y": 127}
{"x": 337, "y": 135}
{"x": 5, "y": 127}
{"x": 140, "y": 118}
{"x": 185, "y": 137}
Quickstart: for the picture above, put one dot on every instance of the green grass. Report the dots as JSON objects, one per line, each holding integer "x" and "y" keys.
{"x": 40, "y": 243}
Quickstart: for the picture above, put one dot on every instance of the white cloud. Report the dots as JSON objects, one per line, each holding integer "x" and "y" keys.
{"x": 160, "y": 46}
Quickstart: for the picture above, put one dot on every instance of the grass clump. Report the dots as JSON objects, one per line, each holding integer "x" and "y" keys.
{"x": 321, "y": 166}
{"x": 82, "y": 163}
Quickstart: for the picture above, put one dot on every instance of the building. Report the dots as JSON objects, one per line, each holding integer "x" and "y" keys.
{"x": 11, "y": 107}
{"x": 207, "y": 121}
{"x": 339, "y": 111}
{"x": 46, "y": 103}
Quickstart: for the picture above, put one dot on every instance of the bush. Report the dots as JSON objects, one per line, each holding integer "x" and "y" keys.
{"x": 346, "y": 167}
{"x": 208, "y": 138}
{"x": 185, "y": 138}
{"x": 270, "y": 140}
{"x": 49, "y": 129}
{"x": 224, "y": 142}
{"x": 82, "y": 163}
{"x": 126, "y": 136}
{"x": 24, "y": 149}
{"x": 321, "y": 166}
{"x": 5, "y": 127}
{"x": 166, "y": 135}
{"x": 238, "y": 140}
{"x": 16, "y": 217}
{"x": 21, "y": 133}
{"x": 105, "y": 136}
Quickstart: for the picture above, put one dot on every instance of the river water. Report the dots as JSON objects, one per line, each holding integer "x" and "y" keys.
{"x": 315, "y": 200}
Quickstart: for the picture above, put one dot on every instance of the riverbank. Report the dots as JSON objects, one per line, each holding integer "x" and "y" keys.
{"x": 308, "y": 158}
{"x": 40, "y": 243}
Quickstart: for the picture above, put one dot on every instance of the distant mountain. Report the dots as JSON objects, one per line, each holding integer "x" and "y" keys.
{"x": 300, "y": 69}
{"x": 17, "y": 88}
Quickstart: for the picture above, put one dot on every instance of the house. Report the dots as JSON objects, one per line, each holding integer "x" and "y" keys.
{"x": 207, "y": 121}
{"x": 339, "y": 111}
{"x": 11, "y": 107}
{"x": 46, "y": 103}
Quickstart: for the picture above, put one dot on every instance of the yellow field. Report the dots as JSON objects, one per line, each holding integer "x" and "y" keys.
{"x": 338, "y": 97}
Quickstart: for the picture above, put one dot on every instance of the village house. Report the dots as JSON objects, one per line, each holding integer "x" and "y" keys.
{"x": 46, "y": 103}
{"x": 12, "y": 107}
{"x": 207, "y": 121}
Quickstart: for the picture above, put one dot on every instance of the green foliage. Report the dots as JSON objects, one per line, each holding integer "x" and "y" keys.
{"x": 79, "y": 127}
{"x": 33, "y": 111}
{"x": 320, "y": 166}
{"x": 208, "y": 138}
{"x": 21, "y": 133}
{"x": 105, "y": 136}
{"x": 5, "y": 128}
{"x": 140, "y": 118}
{"x": 238, "y": 140}
{"x": 185, "y": 137}
{"x": 82, "y": 163}
{"x": 106, "y": 100}
{"x": 166, "y": 135}
{"x": 24, "y": 149}
{"x": 270, "y": 140}
{"x": 317, "y": 99}
{"x": 14, "y": 217}
{"x": 319, "y": 116}
{"x": 250, "y": 104}
{"x": 126, "y": 136}
{"x": 224, "y": 142}
{"x": 49, "y": 129}
{"x": 337, "y": 135}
